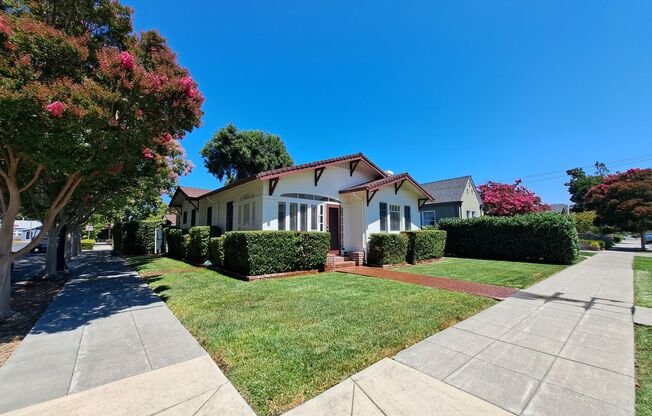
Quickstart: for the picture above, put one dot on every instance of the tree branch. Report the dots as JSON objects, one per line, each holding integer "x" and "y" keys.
{"x": 29, "y": 184}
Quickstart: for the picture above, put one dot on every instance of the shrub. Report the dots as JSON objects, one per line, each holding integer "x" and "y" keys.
{"x": 424, "y": 245}
{"x": 198, "y": 243}
{"x": 312, "y": 250}
{"x": 608, "y": 241}
{"x": 263, "y": 252}
{"x": 87, "y": 244}
{"x": 135, "y": 237}
{"x": 174, "y": 238}
{"x": 537, "y": 237}
{"x": 216, "y": 251}
{"x": 584, "y": 221}
{"x": 592, "y": 245}
{"x": 385, "y": 248}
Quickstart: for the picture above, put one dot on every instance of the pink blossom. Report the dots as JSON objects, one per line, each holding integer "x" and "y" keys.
{"x": 56, "y": 108}
{"x": 147, "y": 153}
{"x": 139, "y": 113}
{"x": 4, "y": 28}
{"x": 166, "y": 137}
{"x": 126, "y": 60}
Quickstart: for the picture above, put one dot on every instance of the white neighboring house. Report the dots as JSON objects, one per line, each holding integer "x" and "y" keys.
{"x": 349, "y": 197}
{"x": 26, "y": 229}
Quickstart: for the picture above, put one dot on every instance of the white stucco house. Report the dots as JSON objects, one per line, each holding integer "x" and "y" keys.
{"x": 349, "y": 197}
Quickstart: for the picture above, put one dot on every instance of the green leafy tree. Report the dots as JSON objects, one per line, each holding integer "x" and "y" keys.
{"x": 585, "y": 221}
{"x": 624, "y": 201}
{"x": 234, "y": 154}
{"x": 580, "y": 183}
{"x": 82, "y": 97}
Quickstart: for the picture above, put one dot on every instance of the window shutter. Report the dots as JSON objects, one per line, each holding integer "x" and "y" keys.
{"x": 193, "y": 217}
{"x": 281, "y": 216}
{"x": 209, "y": 216}
{"x": 408, "y": 218}
{"x": 383, "y": 216}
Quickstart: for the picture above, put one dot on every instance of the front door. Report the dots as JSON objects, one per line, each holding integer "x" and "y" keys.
{"x": 334, "y": 227}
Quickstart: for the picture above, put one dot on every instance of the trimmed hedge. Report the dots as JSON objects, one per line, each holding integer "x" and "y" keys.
{"x": 607, "y": 241}
{"x": 135, "y": 237}
{"x": 87, "y": 244}
{"x": 216, "y": 251}
{"x": 538, "y": 237}
{"x": 592, "y": 245}
{"x": 174, "y": 239}
{"x": 385, "y": 248}
{"x": 265, "y": 252}
{"x": 198, "y": 243}
{"x": 424, "y": 245}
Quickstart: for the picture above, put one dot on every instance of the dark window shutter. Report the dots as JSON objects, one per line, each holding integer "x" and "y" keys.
{"x": 408, "y": 218}
{"x": 229, "y": 216}
{"x": 209, "y": 216}
{"x": 193, "y": 217}
{"x": 383, "y": 216}
{"x": 281, "y": 215}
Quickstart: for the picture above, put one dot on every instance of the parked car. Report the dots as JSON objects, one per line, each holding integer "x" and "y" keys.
{"x": 648, "y": 238}
{"x": 42, "y": 247}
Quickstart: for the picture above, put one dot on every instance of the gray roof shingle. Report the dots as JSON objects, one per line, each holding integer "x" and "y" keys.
{"x": 448, "y": 190}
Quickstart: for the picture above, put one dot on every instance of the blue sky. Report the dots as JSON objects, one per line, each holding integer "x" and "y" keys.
{"x": 500, "y": 90}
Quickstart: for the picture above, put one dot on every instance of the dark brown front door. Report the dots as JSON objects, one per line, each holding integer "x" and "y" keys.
{"x": 334, "y": 227}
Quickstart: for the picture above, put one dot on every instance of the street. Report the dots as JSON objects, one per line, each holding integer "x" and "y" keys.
{"x": 27, "y": 266}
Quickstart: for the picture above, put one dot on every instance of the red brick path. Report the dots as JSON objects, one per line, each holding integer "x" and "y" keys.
{"x": 489, "y": 291}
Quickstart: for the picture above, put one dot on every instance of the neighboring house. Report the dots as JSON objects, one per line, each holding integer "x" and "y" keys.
{"x": 560, "y": 209}
{"x": 349, "y": 197}
{"x": 456, "y": 198}
{"x": 26, "y": 229}
{"x": 170, "y": 220}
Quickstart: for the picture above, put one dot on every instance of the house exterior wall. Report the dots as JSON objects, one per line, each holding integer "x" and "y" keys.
{"x": 470, "y": 202}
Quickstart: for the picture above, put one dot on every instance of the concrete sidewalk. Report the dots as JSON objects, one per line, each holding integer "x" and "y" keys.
{"x": 565, "y": 346}
{"x": 108, "y": 336}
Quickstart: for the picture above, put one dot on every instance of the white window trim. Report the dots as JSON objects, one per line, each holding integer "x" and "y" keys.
{"x": 434, "y": 217}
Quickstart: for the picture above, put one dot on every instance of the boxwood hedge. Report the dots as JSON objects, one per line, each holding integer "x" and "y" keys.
{"x": 537, "y": 237}
{"x": 174, "y": 239}
{"x": 216, "y": 251}
{"x": 424, "y": 245}
{"x": 198, "y": 243}
{"x": 264, "y": 252}
{"x": 385, "y": 248}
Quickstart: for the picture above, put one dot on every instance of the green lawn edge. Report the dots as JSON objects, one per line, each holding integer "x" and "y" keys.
{"x": 643, "y": 297}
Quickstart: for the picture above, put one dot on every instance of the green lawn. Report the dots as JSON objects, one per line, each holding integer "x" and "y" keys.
{"x": 283, "y": 341}
{"x": 643, "y": 297}
{"x": 643, "y": 281}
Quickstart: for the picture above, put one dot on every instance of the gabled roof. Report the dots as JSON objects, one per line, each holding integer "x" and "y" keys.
{"x": 386, "y": 181}
{"x": 193, "y": 193}
{"x": 277, "y": 173}
{"x": 448, "y": 190}
{"x": 559, "y": 208}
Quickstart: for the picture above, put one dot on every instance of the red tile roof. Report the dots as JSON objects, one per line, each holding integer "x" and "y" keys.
{"x": 193, "y": 193}
{"x": 382, "y": 182}
{"x": 318, "y": 164}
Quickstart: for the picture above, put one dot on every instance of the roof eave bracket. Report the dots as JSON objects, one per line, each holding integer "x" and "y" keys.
{"x": 370, "y": 195}
{"x": 318, "y": 173}
{"x": 272, "y": 185}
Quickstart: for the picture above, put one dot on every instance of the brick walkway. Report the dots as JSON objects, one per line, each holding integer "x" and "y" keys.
{"x": 489, "y": 291}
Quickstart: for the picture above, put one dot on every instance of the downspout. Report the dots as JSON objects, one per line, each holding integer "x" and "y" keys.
{"x": 364, "y": 223}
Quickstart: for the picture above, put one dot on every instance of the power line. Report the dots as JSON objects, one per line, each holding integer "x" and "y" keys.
{"x": 608, "y": 165}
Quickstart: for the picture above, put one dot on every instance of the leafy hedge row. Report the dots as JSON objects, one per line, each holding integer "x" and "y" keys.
{"x": 251, "y": 252}
{"x": 425, "y": 245}
{"x": 264, "y": 252}
{"x": 135, "y": 237}
{"x": 408, "y": 246}
{"x": 538, "y": 237}
{"x": 87, "y": 244}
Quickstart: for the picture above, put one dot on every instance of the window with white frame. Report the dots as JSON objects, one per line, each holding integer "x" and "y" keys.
{"x": 470, "y": 213}
{"x": 281, "y": 215}
{"x": 428, "y": 218}
{"x": 303, "y": 217}
{"x": 395, "y": 218}
{"x": 313, "y": 217}
{"x": 321, "y": 218}
{"x": 246, "y": 212}
{"x": 294, "y": 217}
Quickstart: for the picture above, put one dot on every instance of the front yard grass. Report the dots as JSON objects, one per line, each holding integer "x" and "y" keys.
{"x": 643, "y": 297}
{"x": 516, "y": 274}
{"x": 283, "y": 341}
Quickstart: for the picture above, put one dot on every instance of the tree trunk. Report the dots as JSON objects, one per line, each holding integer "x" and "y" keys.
{"x": 69, "y": 244}
{"x": 5, "y": 268}
{"x": 76, "y": 241}
{"x": 61, "y": 250}
{"x": 51, "y": 254}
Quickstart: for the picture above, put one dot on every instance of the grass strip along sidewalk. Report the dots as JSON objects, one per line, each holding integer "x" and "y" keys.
{"x": 643, "y": 297}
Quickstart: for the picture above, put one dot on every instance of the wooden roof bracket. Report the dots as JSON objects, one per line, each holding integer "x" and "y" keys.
{"x": 371, "y": 195}
{"x": 397, "y": 186}
{"x": 272, "y": 185}
{"x": 318, "y": 173}
{"x": 422, "y": 202}
{"x": 352, "y": 165}
{"x": 194, "y": 203}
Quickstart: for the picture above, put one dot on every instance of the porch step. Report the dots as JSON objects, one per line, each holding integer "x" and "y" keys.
{"x": 340, "y": 259}
{"x": 343, "y": 264}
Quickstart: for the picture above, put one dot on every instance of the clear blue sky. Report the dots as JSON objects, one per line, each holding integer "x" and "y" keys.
{"x": 499, "y": 90}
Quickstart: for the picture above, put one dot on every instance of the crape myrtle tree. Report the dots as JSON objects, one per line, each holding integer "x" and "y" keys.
{"x": 234, "y": 154}
{"x": 624, "y": 201}
{"x": 504, "y": 199}
{"x": 82, "y": 97}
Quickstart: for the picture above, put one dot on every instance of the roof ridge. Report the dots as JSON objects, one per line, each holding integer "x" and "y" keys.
{"x": 449, "y": 179}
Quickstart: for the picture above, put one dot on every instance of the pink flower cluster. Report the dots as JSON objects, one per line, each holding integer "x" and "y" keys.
{"x": 187, "y": 84}
{"x": 126, "y": 60}
{"x": 504, "y": 199}
{"x": 147, "y": 153}
{"x": 56, "y": 108}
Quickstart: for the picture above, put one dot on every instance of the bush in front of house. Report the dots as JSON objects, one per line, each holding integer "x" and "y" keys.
{"x": 174, "y": 239}
{"x": 216, "y": 251}
{"x": 424, "y": 245}
{"x": 198, "y": 243}
{"x": 87, "y": 244}
{"x": 264, "y": 252}
{"x": 592, "y": 245}
{"x": 386, "y": 248}
{"x": 538, "y": 237}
